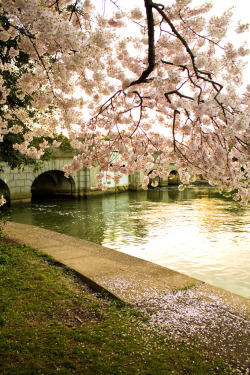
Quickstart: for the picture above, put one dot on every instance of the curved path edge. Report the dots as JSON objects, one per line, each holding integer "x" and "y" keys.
{"x": 126, "y": 277}
{"x": 187, "y": 307}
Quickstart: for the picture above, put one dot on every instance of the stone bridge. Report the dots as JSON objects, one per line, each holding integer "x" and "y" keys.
{"x": 22, "y": 185}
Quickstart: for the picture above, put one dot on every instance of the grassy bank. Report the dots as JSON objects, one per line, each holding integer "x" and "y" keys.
{"x": 52, "y": 323}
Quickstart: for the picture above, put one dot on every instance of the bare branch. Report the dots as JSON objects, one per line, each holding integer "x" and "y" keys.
{"x": 184, "y": 67}
{"x": 151, "y": 42}
{"x": 177, "y": 93}
{"x": 108, "y": 103}
{"x": 173, "y": 131}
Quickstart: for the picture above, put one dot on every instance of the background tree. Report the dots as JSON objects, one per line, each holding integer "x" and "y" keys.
{"x": 163, "y": 83}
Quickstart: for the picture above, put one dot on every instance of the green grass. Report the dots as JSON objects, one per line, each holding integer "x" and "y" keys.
{"x": 186, "y": 287}
{"x": 52, "y": 323}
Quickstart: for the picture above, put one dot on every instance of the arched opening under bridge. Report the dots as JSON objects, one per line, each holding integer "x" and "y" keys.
{"x": 173, "y": 178}
{"x": 53, "y": 184}
{"x": 5, "y": 191}
{"x": 154, "y": 180}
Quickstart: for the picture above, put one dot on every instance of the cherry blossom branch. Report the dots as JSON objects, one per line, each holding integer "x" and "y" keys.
{"x": 22, "y": 30}
{"x": 243, "y": 143}
{"x": 189, "y": 162}
{"x": 199, "y": 35}
{"x": 173, "y": 131}
{"x": 184, "y": 67}
{"x": 55, "y": 3}
{"x": 177, "y": 93}
{"x": 216, "y": 85}
{"x": 76, "y": 12}
{"x": 108, "y": 103}
{"x": 188, "y": 117}
{"x": 140, "y": 117}
{"x": 151, "y": 41}
{"x": 43, "y": 64}
{"x": 189, "y": 51}
{"x": 113, "y": 2}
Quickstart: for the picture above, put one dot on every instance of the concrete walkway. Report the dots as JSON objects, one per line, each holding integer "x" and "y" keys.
{"x": 125, "y": 277}
{"x": 190, "y": 308}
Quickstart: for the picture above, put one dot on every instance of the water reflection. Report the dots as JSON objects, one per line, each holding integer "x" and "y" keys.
{"x": 194, "y": 231}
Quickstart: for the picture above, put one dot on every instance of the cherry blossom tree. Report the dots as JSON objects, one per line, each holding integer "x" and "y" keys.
{"x": 157, "y": 84}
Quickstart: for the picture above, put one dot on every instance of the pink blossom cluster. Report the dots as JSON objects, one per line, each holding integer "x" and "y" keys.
{"x": 191, "y": 109}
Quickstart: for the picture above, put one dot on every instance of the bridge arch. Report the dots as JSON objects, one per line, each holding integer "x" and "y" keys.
{"x": 173, "y": 178}
{"x": 5, "y": 191}
{"x": 53, "y": 184}
{"x": 153, "y": 180}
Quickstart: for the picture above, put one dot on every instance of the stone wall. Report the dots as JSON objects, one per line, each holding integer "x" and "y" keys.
{"x": 18, "y": 185}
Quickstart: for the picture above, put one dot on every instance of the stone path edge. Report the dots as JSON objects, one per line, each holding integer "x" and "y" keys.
{"x": 123, "y": 276}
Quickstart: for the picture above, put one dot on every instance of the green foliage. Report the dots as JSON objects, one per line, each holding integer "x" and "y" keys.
{"x": 65, "y": 143}
{"x": 17, "y": 160}
{"x": 1, "y": 230}
{"x": 186, "y": 287}
{"x": 13, "y": 157}
{"x": 75, "y": 8}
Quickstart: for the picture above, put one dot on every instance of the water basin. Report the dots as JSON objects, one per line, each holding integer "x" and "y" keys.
{"x": 195, "y": 231}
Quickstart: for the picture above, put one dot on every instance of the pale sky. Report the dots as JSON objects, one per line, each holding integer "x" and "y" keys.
{"x": 242, "y": 6}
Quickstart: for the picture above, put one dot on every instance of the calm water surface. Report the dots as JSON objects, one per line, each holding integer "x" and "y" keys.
{"x": 194, "y": 231}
